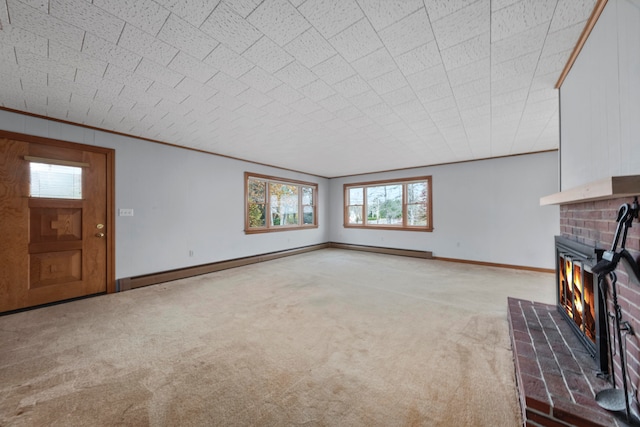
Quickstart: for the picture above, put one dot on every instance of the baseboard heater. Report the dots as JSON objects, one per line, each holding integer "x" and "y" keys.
{"x": 381, "y": 250}
{"x": 129, "y": 283}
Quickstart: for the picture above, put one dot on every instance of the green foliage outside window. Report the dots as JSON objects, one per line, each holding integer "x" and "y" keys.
{"x": 256, "y": 215}
{"x": 404, "y": 204}
{"x": 280, "y": 202}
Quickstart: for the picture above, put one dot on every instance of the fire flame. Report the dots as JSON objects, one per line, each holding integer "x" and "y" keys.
{"x": 576, "y": 295}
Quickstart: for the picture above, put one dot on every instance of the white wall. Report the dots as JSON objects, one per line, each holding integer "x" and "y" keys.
{"x": 483, "y": 211}
{"x": 183, "y": 200}
{"x": 600, "y": 100}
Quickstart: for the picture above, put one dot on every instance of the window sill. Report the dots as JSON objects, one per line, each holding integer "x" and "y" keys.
{"x": 276, "y": 230}
{"x": 383, "y": 227}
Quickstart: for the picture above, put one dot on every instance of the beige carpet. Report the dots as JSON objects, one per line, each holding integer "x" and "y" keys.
{"x": 327, "y": 338}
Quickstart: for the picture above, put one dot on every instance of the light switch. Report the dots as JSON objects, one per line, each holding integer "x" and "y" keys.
{"x": 125, "y": 212}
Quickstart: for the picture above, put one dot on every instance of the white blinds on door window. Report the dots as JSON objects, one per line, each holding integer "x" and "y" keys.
{"x": 55, "y": 181}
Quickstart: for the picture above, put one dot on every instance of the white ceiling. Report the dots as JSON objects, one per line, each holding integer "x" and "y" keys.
{"x": 329, "y": 87}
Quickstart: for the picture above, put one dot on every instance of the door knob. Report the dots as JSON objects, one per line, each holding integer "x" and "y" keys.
{"x": 99, "y": 234}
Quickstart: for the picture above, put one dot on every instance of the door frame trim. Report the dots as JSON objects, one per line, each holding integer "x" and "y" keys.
{"x": 111, "y": 188}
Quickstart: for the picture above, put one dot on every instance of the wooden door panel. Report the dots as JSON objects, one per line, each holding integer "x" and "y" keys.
{"x": 38, "y": 248}
{"x": 55, "y": 268}
{"x": 14, "y": 222}
{"x": 94, "y": 224}
{"x": 60, "y": 151}
{"x": 55, "y": 224}
{"x": 56, "y": 247}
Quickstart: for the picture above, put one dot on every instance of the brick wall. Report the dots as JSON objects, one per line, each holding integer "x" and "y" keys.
{"x": 594, "y": 224}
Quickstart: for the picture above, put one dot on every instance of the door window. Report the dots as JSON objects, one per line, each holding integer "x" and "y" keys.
{"x": 55, "y": 181}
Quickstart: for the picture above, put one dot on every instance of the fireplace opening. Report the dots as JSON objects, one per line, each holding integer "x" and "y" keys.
{"x": 579, "y": 299}
{"x": 576, "y": 295}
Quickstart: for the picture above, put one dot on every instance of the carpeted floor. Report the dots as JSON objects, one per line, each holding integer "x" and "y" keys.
{"x": 327, "y": 338}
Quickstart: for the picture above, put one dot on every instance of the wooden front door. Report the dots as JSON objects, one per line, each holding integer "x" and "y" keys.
{"x": 54, "y": 221}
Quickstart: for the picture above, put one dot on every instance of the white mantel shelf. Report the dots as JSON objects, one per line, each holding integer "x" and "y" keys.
{"x": 608, "y": 188}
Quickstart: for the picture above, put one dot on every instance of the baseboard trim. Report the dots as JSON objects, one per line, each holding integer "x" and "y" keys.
{"x": 381, "y": 250}
{"x": 493, "y": 264}
{"x": 129, "y": 283}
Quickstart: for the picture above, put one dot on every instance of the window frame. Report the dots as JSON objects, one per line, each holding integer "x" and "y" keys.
{"x": 403, "y": 182}
{"x": 268, "y": 227}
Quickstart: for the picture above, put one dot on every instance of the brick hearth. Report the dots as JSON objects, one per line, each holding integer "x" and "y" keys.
{"x": 556, "y": 376}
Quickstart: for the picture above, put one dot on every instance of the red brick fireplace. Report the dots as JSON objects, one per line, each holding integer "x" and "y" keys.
{"x": 594, "y": 224}
{"x": 557, "y": 377}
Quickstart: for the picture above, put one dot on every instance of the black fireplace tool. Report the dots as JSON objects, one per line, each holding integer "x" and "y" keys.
{"x": 615, "y": 399}
{"x": 627, "y": 260}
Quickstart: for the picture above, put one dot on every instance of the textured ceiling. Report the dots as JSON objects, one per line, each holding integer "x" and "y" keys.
{"x": 329, "y": 87}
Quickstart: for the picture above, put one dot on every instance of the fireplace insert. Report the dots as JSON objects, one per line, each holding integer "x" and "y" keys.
{"x": 579, "y": 298}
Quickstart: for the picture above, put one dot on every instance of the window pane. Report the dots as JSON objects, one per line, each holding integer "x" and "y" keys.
{"x": 307, "y": 196}
{"x": 355, "y": 214}
{"x": 417, "y": 215}
{"x": 284, "y": 204}
{"x": 384, "y": 205}
{"x": 256, "y": 191}
{"x": 307, "y": 216}
{"x": 417, "y": 192}
{"x": 55, "y": 181}
{"x": 356, "y": 196}
{"x": 257, "y": 215}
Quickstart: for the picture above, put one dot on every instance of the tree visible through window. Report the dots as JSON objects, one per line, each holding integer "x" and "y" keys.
{"x": 404, "y": 205}
{"x": 284, "y": 204}
{"x": 384, "y": 204}
{"x": 274, "y": 204}
{"x": 256, "y": 202}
